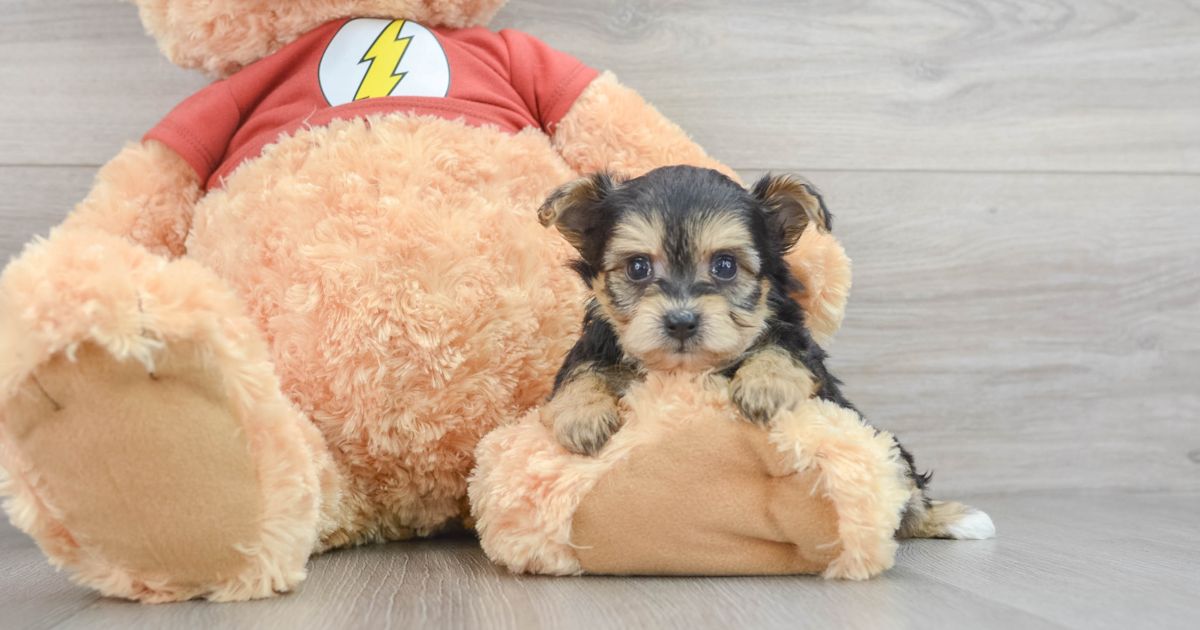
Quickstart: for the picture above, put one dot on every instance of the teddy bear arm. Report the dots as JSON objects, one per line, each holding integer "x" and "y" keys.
{"x": 145, "y": 194}
{"x": 820, "y": 264}
{"x": 687, "y": 487}
{"x": 611, "y": 127}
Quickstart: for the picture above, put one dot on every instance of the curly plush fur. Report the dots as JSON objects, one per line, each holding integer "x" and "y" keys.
{"x": 220, "y": 37}
{"x": 409, "y": 309}
{"x": 84, "y": 287}
{"x": 526, "y": 489}
{"x": 374, "y": 296}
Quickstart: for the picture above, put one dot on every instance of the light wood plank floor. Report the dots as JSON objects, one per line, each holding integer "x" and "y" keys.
{"x": 1018, "y": 183}
{"x": 1061, "y": 561}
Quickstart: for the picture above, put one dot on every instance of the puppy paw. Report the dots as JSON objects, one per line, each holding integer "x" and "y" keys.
{"x": 770, "y": 382}
{"x": 585, "y": 429}
{"x": 761, "y": 395}
{"x": 760, "y": 399}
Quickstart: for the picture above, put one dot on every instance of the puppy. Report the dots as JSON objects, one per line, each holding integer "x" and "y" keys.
{"x": 687, "y": 272}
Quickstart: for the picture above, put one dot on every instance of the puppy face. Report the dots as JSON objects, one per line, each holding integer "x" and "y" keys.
{"x": 683, "y": 261}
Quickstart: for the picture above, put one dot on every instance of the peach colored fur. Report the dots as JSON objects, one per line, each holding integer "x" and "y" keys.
{"x": 526, "y": 487}
{"x": 221, "y": 37}
{"x": 862, "y": 474}
{"x": 377, "y": 294}
{"x": 85, "y": 285}
{"x": 410, "y": 299}
{"x": 611, "y": 127}
{"x": 146, "y": 194}
{"x": 821, "y": 265}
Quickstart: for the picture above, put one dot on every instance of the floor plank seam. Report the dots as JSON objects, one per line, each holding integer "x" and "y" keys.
{"x": 806, "y": 169}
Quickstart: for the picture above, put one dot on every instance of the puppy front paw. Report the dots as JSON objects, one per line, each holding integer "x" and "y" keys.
{"x": 585, "y": 429}
{"x": 761, "y": 396}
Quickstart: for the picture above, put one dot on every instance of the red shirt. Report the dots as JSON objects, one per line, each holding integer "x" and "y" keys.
{"x": 353, "y": 68}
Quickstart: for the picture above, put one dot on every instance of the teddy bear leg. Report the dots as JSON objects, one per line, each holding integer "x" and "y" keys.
{"x": 147, "y": 445}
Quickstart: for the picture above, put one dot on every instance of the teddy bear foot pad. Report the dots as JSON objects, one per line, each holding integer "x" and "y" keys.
{"x": 149, "y": 472}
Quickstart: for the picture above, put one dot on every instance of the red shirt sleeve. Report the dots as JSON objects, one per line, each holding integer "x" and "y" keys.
{"x": 549, "y": 81}
{"x": 200, "y": 128}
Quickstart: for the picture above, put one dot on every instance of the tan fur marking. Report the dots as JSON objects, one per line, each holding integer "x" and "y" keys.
{"x": 718, "y": 332}
{"x": 635, "y": 235}
{"x": 614, "y": 316}
{"x": 720, "y": 338}
{"x": 583, "y": 413}
{"x": 725, "y": 233}
{"x": 750, "y": 324}
{"x": 761, "y": 309}
{"x": 724, "y": 338}
{"x": 644, "y": 331}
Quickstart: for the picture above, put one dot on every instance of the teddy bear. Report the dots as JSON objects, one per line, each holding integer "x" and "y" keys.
{"x": 282, "y": 321}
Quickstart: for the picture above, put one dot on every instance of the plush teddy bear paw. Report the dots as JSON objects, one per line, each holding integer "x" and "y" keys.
{"x": 147, "y": 443}
{"x": 150, "y": 469}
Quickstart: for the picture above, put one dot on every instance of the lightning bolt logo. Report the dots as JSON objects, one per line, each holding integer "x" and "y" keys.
{"x": 385, "y": 55}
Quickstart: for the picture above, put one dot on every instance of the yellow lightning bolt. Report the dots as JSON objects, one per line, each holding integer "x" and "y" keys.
{"x": 385, "y": 55}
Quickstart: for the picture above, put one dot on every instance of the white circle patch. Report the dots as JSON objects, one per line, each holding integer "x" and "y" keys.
{"x": 370, "y": 58}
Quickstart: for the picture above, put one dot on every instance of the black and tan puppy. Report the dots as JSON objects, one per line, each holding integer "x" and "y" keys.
{"x": 687, "y": 272}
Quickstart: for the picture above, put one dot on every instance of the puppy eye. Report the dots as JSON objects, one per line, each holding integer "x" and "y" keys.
{"x": 638, "y": 268}
{"x": 724, "y": 267}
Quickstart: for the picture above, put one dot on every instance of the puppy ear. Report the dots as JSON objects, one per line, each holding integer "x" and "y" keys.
{"x": 574, "y": 209}
{"x": 792, "y": 203}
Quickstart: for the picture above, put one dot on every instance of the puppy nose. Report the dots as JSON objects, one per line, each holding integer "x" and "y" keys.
{"x": 681, "y": 324}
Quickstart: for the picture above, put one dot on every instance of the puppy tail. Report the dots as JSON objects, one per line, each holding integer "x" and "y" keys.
{"x": 947, "y": 520}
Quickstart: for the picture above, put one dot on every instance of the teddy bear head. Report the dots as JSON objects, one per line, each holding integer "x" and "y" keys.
{"x": 220, "y": 37}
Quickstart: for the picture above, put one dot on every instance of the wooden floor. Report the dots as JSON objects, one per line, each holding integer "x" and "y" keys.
{"x": 1062, "y": 561}
{"x": 1018, "y": 183}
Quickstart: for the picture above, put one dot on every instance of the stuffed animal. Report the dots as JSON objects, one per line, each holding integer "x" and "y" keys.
{"x": 282, "y": 322}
